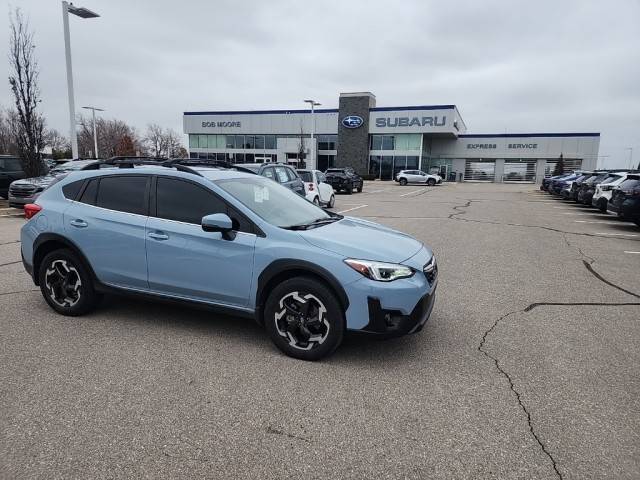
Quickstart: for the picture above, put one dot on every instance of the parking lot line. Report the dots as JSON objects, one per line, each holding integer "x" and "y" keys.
{"x": 628, "y": 251}
{"x": 414, "y": 191}
{"x": 354, "y": 208}
{"x": 618, "y": 234}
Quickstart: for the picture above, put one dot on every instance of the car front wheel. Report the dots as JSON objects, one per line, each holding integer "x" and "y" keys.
{"x": 66, "y": 284}
{"x": 332, "y": 201}
{"x": 304, "y": 318}
{"x": 431, "y": 182}
{"x": 403, "y": 181}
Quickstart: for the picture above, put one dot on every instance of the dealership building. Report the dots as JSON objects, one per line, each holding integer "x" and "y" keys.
{"x": 381, "y": 141}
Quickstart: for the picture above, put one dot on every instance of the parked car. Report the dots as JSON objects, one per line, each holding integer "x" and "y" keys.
{"x": 344, "y": 179}
{"x": 575, "y": 186}
{"x": 317, "y": 189}
{"x": 587, "y": 188}
{"x": 231, "y": 240}
{"x": 625, "y": 199}
{"x": 405, "y": 177}
{"x": 10, "y": 170}
{"x": 603, "y": 191}
{"x": 27, "y": 190}
{"x": 279, "y": 172}
{"x": 557, "y": 185}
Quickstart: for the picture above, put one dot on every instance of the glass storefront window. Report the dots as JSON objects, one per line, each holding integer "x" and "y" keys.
{"x": 212, "y": 141}
{"x": 402, "y": 142}
{"x": 249, "y": 141}
{"x": 374, "y": 165}
{"x": 221, "y": 141}
{"x": 414, "y": 140}
{"x": 202, "y": 141}
{"x": 259, "y": 142}
{"x": 239, "y": 141}
{"x": 388, "y": 142}
{"x": 231, "y": 141}
{"x": 376, "y": 142}
{"x": 412, "y": 162}
{"x": 399, "y": 163}
{"x": 270, "y": 142}
{"x": 248, "y": 158}
{"x": 238, "y": 158}
{"x": 193, "y": 141}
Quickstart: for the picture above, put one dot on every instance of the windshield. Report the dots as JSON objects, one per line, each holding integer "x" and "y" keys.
{"x": 305, "y": 176}
{"x": 274, "y": 203}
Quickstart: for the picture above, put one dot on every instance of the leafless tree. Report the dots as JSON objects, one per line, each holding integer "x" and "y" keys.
{"x": 162, "y": 142}
{"x": 7, "y": 141}
{"x": 111, "y": 133}
{"x": 27, "y": 125}
{"x": 60, "y": 145}
{"x": 302, "y": 154}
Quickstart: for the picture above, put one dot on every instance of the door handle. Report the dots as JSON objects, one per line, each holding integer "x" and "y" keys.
{"x": 79, "y": 223}
{"x": 158, "y": 236}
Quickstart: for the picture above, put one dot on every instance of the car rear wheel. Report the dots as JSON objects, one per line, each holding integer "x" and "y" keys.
{"x": 359, "y": 189}
{"x": 304, "y": 318}
{"x": 316, "y": 201}
{"x": 66, "y": 284}
{"x": 431, "y": 182}
{"x": 403, "y": 181}
{"x": 350, "y": 189}
{"x": 332, "y": 201}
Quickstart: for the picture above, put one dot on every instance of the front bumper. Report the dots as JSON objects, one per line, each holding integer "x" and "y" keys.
{"x": 393, "y": 323}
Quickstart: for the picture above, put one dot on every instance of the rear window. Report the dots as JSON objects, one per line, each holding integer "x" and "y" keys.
{"x": 90, "y": 192}
{"x": 10, "y": 165}
{"x": 123, "y": 193}
{"x": 71, "y": 190}
{"x": 630, "y": 184}
{"x": 306, "y": 176}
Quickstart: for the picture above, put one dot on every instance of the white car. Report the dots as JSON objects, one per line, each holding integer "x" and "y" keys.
{"x": 417, "y": 176}
{"x": 317, "y": 190}
{"x": 604, "y": 190}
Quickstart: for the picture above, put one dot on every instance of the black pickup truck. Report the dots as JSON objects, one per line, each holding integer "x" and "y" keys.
{"x": 344, "y": 179}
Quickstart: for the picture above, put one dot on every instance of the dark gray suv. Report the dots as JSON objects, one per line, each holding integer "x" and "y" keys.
{"x": 10, "y": 170}
{"x": 278, "y": 172}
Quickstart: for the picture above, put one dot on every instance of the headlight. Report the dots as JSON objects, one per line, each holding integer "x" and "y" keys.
{"x": 380, "y": 271}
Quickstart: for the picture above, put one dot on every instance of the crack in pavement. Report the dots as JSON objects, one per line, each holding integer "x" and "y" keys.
{"x": 10, "y": 263}
{"x": 9, "y": 243}
{"x": 513, "y": 389}
{"x": 275, "y": 431}
{"x": 587, "y": 304}
{"x": 20, "y": 291}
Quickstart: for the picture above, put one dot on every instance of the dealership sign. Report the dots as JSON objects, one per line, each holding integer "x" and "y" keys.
{"x": 411, "y": 122}
{"x": 352, "y": 121}
{"x": 221, "y": 124}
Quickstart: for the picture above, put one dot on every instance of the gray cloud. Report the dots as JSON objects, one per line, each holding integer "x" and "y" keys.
{"x": 524, "y": 67}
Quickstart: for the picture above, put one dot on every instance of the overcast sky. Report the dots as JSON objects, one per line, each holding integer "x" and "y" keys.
{"x": 543, "y": 66}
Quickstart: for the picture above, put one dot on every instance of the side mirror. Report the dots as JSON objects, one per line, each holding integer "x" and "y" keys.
{"x": 218, "y": 222}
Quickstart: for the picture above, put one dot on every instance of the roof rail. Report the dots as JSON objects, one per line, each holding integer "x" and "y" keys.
{"x": 207, "y": 163}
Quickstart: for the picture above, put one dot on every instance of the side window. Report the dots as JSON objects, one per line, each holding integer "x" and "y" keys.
{"x": 321, "y": 178}
{"x": 1, "y": 164}
{"x": 268, "y": 172}
{"x": 292, "y": 174}
{"x": 123, "y": 193}
{"x": 90, "y": 192}
{"x": 239, "y": 221}
{"x": 281, "y": 175}
{"x": 72, "y": 189}
{"x": 185, "y": 201}
{"x": 12, "y": 165}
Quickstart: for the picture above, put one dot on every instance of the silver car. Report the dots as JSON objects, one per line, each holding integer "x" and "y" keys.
{"x": 417, "y": 176}
{"x": 26, "y": 190}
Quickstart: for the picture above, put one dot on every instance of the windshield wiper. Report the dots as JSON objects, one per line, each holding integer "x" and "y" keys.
{"x": 315, "y": 223}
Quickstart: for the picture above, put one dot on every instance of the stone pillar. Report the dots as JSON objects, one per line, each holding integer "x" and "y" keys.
{"x": 499, "y": 170}
{"x": 540, "y": 166}
{"x": 353, "y": 143}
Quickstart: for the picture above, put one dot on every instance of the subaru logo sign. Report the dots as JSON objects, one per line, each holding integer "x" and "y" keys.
{"x": 352, "y": 121}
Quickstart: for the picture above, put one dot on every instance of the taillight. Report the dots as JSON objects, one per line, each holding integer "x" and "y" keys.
{"x": 310, "y": 187}
{"x": 31, "y": 209}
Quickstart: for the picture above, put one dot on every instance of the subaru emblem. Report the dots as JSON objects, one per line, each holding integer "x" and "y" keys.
{"x": 352, "y": 121}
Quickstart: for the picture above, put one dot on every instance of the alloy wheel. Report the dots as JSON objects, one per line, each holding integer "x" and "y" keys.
{"x": 302, "y": 320}
{"x": 63, "y": 284}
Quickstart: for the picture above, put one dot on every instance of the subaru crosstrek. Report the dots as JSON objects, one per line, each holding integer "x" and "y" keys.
{"x": 227, "y": 239}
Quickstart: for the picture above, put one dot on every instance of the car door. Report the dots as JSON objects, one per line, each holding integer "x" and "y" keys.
{"x": 108, "y": 223}
{"x": 324, "y": 188}
{"x": 187, "y": 262}
{"x": 422, "y": 177}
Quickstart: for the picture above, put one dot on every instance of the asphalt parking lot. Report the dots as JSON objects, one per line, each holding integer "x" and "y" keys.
{"x": 528, "y": 367}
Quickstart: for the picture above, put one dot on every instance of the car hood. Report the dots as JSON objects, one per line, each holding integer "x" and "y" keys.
{"x": 357, "y": 238}
{"x": 43, "y": 181}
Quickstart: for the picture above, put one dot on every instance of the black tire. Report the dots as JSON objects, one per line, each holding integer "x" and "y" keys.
{"x": 403, "y": 181}
{"x": 431, "y": 182}
{"x": 359, "y": 189}
{"x": 289, "y": 332}
{"x": 332, "y": 201}
{"x": 316, "y": 201}
{"x": 350, "y": 189}
{"x": 66, "y": 285}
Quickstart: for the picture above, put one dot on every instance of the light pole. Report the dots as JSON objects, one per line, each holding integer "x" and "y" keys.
{"x": 630, "y": 156}
{"x": 95, "y": 135}
{"x": 313, "y": 104}
{"x": 81, "y": 12}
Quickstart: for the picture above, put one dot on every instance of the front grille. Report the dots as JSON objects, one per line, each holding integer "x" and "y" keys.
{"x": 431, "y": 270}
{"x": 22, "y": 191}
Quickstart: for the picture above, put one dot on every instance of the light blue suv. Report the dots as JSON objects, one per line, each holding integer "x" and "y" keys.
{"x": 231, "y": 240}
